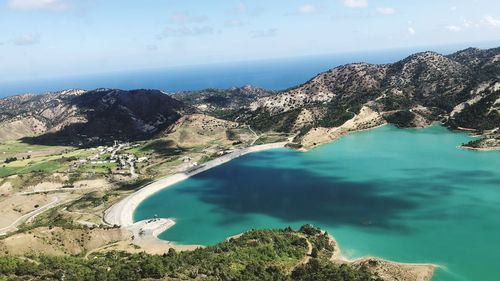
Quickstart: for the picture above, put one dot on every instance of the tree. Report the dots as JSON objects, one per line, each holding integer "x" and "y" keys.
{"x": 314, "y": 252}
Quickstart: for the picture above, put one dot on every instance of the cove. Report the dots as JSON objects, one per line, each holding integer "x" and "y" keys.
{"x": 407, "y": 195}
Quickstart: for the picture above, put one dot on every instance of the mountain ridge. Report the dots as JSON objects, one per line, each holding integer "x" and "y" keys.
{"x": 460, "y": 90}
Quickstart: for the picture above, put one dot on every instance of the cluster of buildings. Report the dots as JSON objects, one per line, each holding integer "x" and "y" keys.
{"x": 110, "y": 154}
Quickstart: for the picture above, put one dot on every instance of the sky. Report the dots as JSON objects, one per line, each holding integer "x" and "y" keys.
{"x": 53, "y": 38}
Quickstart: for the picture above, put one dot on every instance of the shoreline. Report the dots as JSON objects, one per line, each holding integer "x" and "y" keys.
{"x": 344, "y": 134}
{"x": 388, "y": 269}
{"x": 122, "y": 213}
{"x": 481, "y": 149}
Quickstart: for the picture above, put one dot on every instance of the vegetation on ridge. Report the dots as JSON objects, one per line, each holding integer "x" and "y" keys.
{"x": 255, "y": 255}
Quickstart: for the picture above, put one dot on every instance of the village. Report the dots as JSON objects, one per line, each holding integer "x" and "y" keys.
{"x": 112, "y": 155}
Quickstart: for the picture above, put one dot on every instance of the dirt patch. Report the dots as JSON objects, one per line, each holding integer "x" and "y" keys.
{"x": 367, "y": 118}
{"x": 198, "y": 129}
{"x": 393, "y": 271}
{"x": 15, "y": 206}
{"x": 58, "y": 241}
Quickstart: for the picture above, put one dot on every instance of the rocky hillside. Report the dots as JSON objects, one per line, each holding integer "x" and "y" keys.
{"x": 79, "y": 117}
{"x": 461, "y": 90}
{"x": 221, "y": 102}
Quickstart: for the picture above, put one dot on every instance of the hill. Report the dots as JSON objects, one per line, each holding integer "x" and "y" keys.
{"x": 461, "y": 90}
{"x": 307, "y": 254}
{"x": 221, "y": 102}
{"x": 80, "y": 117}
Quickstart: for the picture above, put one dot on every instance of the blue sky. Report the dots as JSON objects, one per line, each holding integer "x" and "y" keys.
{"x": 49, "y": 38}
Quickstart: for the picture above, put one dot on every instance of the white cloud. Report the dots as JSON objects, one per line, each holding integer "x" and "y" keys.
{"x": 467, "y": 23}
{"x": 152, "y": 47}
{"x": 411, "y": 30}
{"x": 48, "y": 5}
{"x": 355, "y": 3}
{"x": 386, "y": 10}
{"x": 490, "y": 21}
{"x": 242, "y": 8}
{"x": 26, "y": 40}
{"x": 184, "y": 31}
{"x": 185, "y": 18}
{"x": 453, "y": 28}
{"x": 486, "y": 21}
{"x": 307, "y": 9}
{"x": 270, "y": 32}
{"x": 182, "y": 24}
{"x": 233, "y": 23}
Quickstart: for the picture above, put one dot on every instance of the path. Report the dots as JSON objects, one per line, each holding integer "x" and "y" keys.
{"x": 307, "y": 256}
{"x": 256, "y": 135}
{"x": 102, "y": 222}
{"x": 63, "y": 189}
{"x": 28, "y": 217}
{"x": 130, "y": 161}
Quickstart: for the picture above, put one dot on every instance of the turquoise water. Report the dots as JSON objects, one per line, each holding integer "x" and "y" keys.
{"x": 407, "y": 195}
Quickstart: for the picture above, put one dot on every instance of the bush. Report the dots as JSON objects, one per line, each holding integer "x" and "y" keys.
{"x": 10, "y": 159}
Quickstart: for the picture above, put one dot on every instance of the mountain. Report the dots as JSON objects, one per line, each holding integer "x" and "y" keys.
{"x": 78, "y": 116}
{"x": 221, "y": 102}
{"x": 461, "y": 90}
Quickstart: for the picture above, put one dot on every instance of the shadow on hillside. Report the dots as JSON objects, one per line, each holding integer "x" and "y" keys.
{"x": 91, "y": 134}
{"x": 104, "y": 116}
{"x": 163, "y": 147}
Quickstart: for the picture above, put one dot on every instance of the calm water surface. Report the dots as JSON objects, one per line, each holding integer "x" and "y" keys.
{"x": 407, "y": 195}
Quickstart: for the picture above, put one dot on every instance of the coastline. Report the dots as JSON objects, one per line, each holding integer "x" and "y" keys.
{"x": 122, "y": 213}
{"x": 482, "y": 149}
{"x": 387, "y": 269}
{"x": 151, "y": 243}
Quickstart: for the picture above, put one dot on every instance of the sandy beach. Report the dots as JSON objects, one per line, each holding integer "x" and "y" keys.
{"x": 388, "y": 270}
{"x": 122, "y": 213}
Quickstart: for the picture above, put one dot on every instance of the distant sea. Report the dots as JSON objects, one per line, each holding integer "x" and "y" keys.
{"x": 273, "y": 74}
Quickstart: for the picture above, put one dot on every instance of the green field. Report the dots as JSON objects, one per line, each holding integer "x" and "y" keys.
{"x": 41, "y": 159}
{"x": 271, "y": 138}
{"x": 13, "y": 148}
